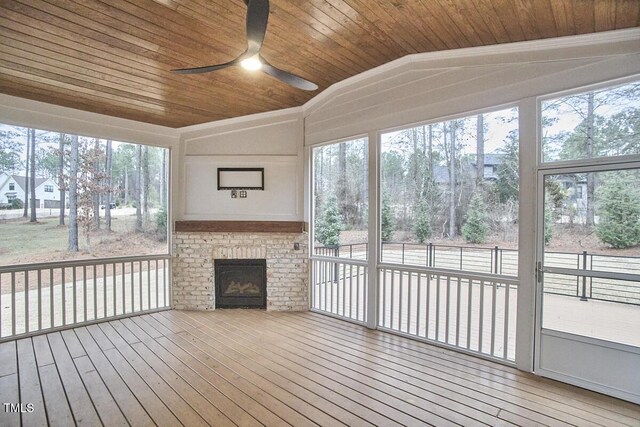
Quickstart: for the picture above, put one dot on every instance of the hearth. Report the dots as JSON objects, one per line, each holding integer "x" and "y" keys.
{"x": 240, "y": 283}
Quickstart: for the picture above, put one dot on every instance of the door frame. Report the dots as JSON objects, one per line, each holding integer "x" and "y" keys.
{"x": 599, "y": 345}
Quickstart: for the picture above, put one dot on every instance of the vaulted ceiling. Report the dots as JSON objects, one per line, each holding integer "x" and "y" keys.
{"x": 113, "y": 56}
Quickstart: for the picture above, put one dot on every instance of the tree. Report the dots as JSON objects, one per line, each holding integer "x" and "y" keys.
{"x": 619, "y": 212}
{"x": 145, "y": 182}
{"x": 423, "y": 229}
{"x": 107, "y": 173}
{"x": 508, "y": 183}
{"x": 480, "y": 150}
{"x": 548, "y": 223}
{"x": 329, "y": 225}
{"x": 26, "y": 176}
{"x": 90, "y": 186}
{"x": 138, "y": 188}
{"x": 61, "y": 184}
{"x": 32, "y": 174}
{"x": 73, "y": 194}
{"x": 96, "y": 155}
{"x": 10, "y": 149}
{"x": 386, "y": 220}
{"x": 476, "y": 226}
{"x": 163, "y": 180}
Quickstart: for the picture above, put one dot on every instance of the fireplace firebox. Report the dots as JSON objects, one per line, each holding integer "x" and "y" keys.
{"x": 241, "y": 283}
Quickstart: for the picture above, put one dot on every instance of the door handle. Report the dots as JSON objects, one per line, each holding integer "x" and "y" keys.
{"x": 539, "y": 271}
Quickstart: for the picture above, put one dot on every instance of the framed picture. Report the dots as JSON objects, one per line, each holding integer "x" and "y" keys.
{"x": 240, "y": 178}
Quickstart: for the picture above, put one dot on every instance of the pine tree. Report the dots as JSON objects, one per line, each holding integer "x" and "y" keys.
{"x": 329, "y": 224}
{"x": 619, "y": 213}
{"x": 423, "y": 229}
{"x": 548, "y": 223}
{"x": 476, "y": 225}
{"x": 386, "y": 220}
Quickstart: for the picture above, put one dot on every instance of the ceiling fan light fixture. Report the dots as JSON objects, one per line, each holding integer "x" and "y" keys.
{"x": 252, "y": 64}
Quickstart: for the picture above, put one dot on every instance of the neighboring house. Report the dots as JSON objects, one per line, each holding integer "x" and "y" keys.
{"x": 491, "y": 163}
{"x": 12, "y": 187}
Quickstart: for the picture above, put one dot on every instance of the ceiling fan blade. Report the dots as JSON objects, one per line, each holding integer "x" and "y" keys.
{"x": 288, "y": 78}
{"x": 206, "y": 69}
{"x": 257, "y": 17}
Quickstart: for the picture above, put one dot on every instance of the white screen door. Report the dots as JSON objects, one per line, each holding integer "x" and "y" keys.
{"x": 588, "y": 326}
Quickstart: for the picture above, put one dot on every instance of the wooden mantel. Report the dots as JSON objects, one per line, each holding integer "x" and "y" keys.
{"x": 241, "y": 226}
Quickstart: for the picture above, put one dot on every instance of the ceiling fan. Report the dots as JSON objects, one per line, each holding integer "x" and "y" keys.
{"x": 257, "y": 17}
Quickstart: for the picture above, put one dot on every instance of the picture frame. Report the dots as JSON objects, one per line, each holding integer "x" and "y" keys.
{"x": 241, "y": 179}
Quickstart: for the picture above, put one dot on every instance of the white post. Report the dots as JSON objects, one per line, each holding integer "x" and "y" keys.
{"x": 374, "y": 230}
{"x": 526, "y": 313}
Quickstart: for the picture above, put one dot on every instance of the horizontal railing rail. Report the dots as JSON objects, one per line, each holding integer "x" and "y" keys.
{"x": 594, "y": 276}
{"x": 48, "y": 296}
{"x": 466, "y": 312}
{"x": 351, "y": 251}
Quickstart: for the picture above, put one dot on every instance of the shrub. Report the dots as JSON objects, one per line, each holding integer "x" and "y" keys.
{"x": 161, "y": 224}
{"x": 476, "y": 225}
{"x": 548, "y": 224}
{"x": 329, "y": 225}
{"x": 17, "y": 204}
{"x": 423, "y": 229}
{"x": 386, "y": 220}
{"x": 619, "y": 214}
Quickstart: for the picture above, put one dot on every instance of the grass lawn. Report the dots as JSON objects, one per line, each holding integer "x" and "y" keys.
{"x": 22, "y": 242}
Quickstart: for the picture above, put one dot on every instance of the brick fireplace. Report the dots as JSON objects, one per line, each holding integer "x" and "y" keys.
{"x": 195, "y": 254}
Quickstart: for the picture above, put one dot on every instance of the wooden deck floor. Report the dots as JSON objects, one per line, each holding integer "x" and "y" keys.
{"x": 251, "y": 368}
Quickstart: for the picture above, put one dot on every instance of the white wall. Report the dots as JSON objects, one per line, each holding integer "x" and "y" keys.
{"x": 424, "y": 87}
{"x": 273, "y": 141}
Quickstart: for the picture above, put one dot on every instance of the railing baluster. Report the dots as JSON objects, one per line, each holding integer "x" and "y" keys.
{"x": 400, "y": 300}
{"x": 148, "y": 284}
{"x": 393, "y": 292}
{"x": 104, "y": 292}
{"x": 448, "y": 321}
{"x": 419, "y": 303}
{"x": 113, "y": 284}
{"x": 438, "y": 309}
{"x": 157, "y": 278}
{"x": 481, "y": 317}
{"x": 383, "y": 280}
{"x": 39, "y": 299}
{"x": 493, "y": 317}
{"x": 123, "y": 288}
{"x": 409, "y": 306}
{"x": 427, "y": 322}
{"x": 507, "y": 303}
{"x": 458, "y": 298}
{"x": 1, "y": 307}
{"x": 26, "y": 300}
{"x": 75, "y": 294}
{"x": 469, "y": 311}
{"x": 326, "y": 284}
{"x": 84, "y": 291}
{"x": 351, "y": 291}
{"x": 140, "y": 285}
{"x": 13, "y": 303}
{"x": 344, "y": 288}
{"x": 132, "y": 289}
{"x": 51, "y": 308}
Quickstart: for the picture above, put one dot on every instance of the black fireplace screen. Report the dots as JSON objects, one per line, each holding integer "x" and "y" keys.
{"x": 241, "y": 283}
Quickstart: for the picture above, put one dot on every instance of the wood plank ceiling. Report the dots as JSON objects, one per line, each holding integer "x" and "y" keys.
{"x": 113, "y": 56}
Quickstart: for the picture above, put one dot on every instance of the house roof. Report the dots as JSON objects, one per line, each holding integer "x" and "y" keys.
{"x": 20, "y": 180}
{"x": 115, "y": 57}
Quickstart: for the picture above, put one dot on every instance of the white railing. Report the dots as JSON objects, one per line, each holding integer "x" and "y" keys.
{"x": 339, "y": 287}
{"x": 48, "y": 296}
{"x": 470, "y": 312}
